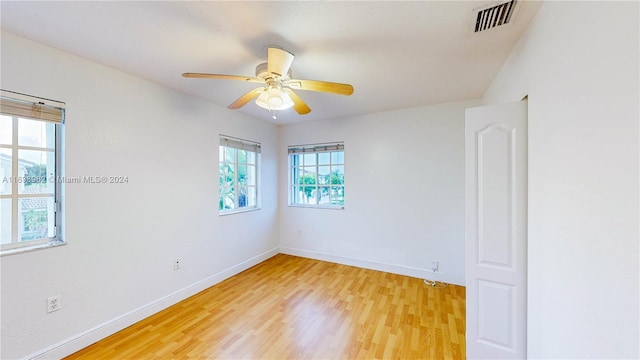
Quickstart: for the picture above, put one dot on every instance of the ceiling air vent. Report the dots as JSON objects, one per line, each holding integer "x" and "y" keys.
{"x": 494, "y": 16}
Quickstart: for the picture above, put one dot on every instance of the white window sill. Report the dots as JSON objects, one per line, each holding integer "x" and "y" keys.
{"x": 25, "y": 249}
{"x": 338, "y": 207}
{"x": 237, "y": 211}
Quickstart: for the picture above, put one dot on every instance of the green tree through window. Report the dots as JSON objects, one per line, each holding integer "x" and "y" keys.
{"x": 238, "y": 167}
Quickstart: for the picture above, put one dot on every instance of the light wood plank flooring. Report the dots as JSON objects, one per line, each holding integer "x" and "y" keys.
{"x": 295, "y": 308}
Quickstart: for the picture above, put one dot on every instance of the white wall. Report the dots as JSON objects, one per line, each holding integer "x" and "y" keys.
{"x": 122, "y": 238}
{"x": 582, "y": 80}
{"x": 578, "y": 62}
{"x": 404, "y": 193}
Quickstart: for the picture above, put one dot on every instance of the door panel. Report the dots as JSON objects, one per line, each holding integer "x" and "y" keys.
{"x": 496, "y": 314}
{"x": 496, "y": 233}
{"x": 495, "y": 195}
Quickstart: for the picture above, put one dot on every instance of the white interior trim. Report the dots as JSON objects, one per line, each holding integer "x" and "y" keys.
{"x": 366, "y": 264}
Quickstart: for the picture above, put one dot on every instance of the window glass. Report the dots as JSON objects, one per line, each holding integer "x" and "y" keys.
{"x": 34, "y": 167}
{"x": 238, "y": 167}
{"x": 5, "y": 221}
{"x": 316, "y": 175}
{"x": 36, "y": 133}
{"x": 6, "y": 129}
{"x": 36, "y": 213}
{"x": 30, "y": 203}
{"x": 6, "y": 171}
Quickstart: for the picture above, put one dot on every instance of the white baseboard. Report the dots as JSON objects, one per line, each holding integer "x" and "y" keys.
{"x": 395, "y": 269}
{"x": 84, "y": 339}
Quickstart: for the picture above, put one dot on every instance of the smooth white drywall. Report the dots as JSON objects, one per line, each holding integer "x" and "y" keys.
{"x": 123, "y": 238}
{"x": 578, "y": 62}
{"x": 404, "y": 193}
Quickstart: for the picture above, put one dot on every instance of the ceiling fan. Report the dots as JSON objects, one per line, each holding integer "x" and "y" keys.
{"x": 277, "y": 92}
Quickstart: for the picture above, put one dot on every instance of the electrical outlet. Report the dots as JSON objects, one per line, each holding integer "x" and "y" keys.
{"x": 176, "y": 264}
{"x": 434, "y": 265}
{"x": 53, "y": 303}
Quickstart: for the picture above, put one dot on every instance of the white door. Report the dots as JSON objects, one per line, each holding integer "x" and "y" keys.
{"x": 496, "y": 231}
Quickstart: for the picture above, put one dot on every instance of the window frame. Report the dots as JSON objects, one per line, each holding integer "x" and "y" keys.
{"x": 293, "y": 168}
{"x": 245, "y": 145}
{"x": 44, "y": 111}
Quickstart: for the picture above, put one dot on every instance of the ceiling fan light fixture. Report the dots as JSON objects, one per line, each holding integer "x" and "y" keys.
{"x": 277, "y": 93}
{"x": 274, "y": 99}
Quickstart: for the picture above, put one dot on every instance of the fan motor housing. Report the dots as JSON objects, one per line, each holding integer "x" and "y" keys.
{"x": 263, "y": 73}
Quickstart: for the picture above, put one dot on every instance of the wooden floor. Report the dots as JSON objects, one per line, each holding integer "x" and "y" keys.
{"x": 295, "y": 308}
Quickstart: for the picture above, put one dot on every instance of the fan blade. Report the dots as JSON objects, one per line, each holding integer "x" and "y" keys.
{"x": 300, "y": 106}
{"x": 223, "y": 77}
{"x": 278, "y": 61}
{"x": 244, "y": 99}
{"x": 322, "y": 86}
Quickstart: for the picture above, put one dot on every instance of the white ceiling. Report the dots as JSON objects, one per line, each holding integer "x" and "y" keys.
{"x": 395, "y": 54}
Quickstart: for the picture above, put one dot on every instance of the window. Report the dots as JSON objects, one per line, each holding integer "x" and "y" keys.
{"x": 316, "y": 175}
{"x": 239, "y": 161}
{"x": 30, "y": 164}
